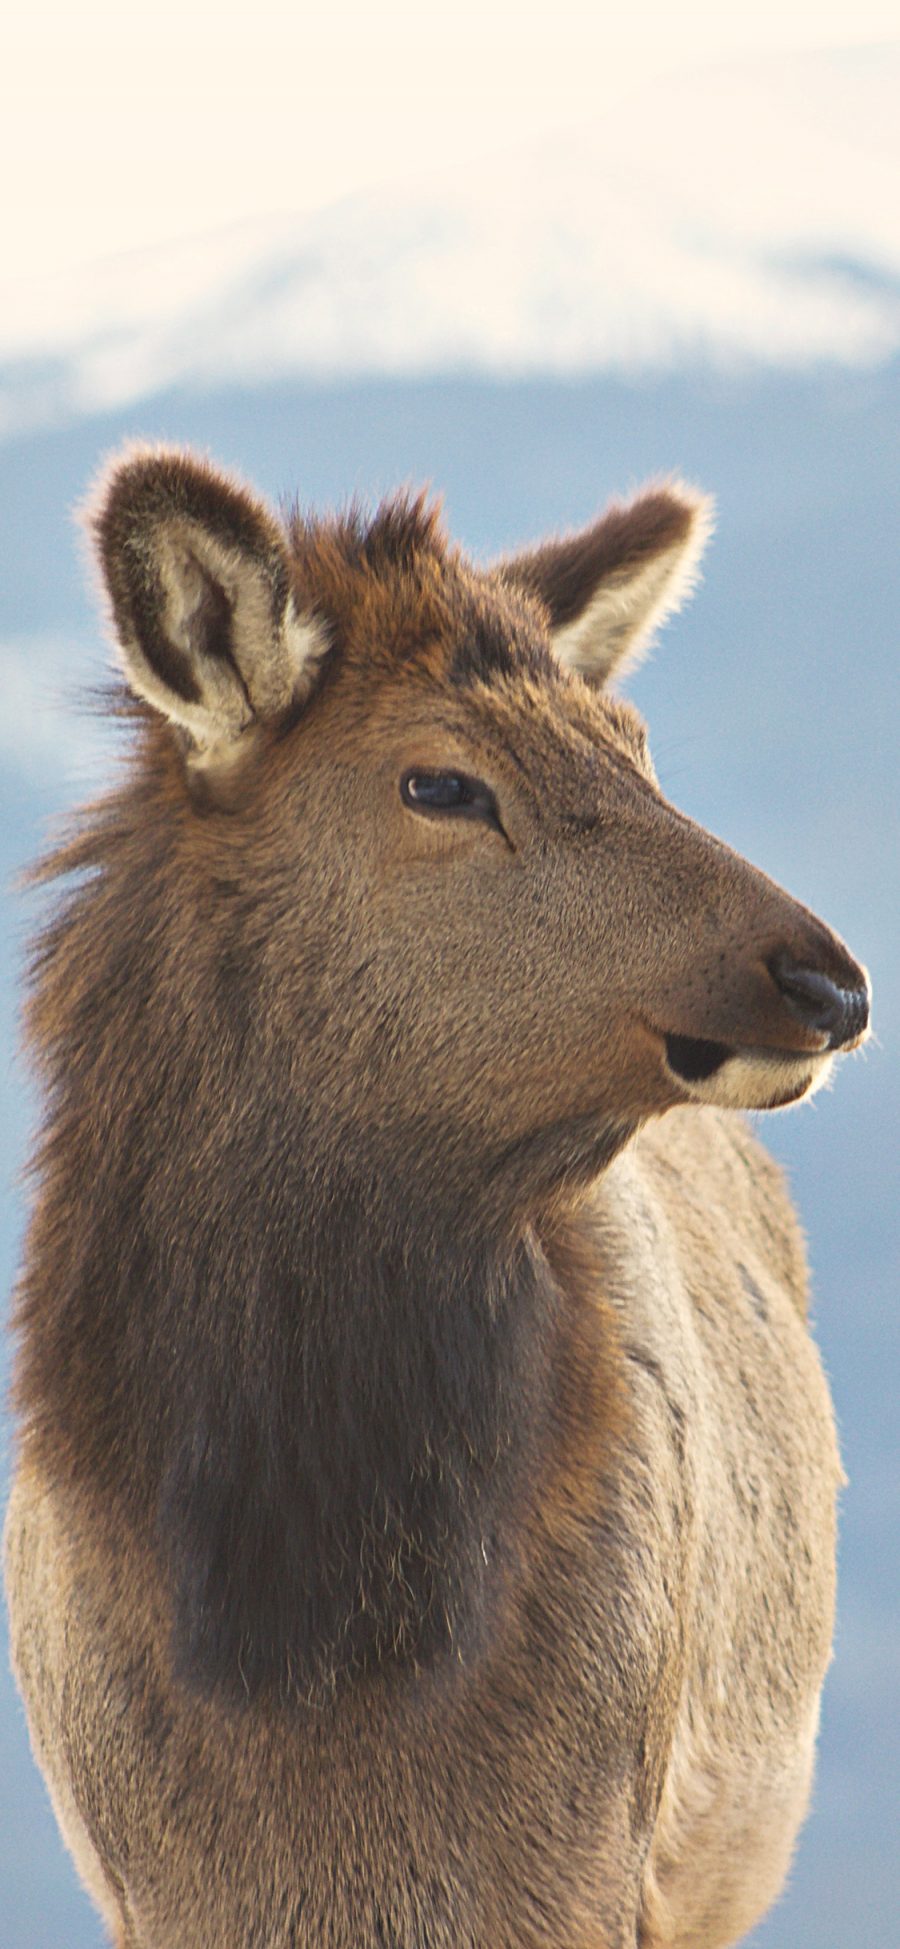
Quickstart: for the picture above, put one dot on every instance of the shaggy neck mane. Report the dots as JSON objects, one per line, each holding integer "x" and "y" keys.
{"x": 334, "y": 1484}
{"x": 317, "y": 1396}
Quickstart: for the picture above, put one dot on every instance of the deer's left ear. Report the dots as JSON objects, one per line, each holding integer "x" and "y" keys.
{"x": 198, "y": 578}
{"x": 609, "y": 588}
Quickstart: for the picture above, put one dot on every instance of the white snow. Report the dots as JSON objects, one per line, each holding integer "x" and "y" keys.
{"x": 749, "y": 214}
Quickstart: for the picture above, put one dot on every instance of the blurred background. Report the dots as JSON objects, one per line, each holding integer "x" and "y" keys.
{"x": 534, "y": 257}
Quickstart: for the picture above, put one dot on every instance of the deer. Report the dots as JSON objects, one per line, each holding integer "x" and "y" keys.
{"x": 423, "y": 1527}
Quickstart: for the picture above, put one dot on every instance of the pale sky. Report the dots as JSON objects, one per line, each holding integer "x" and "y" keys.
{"x": 122, "y": 126}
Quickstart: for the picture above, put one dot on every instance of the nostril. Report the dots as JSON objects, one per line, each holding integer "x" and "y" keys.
{"x": 812, "y": 996}
{"x": 840, "y": 1013}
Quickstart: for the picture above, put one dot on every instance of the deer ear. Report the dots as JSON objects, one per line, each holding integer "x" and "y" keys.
{"x": 608, "y": 589}
{"x": 198, "y": 577}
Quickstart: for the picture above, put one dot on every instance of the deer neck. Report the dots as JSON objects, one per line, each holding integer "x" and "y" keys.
{"x": 342, "y": 1486}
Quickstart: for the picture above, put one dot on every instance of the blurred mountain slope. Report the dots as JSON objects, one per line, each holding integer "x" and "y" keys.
{"x": 739, "y": 216}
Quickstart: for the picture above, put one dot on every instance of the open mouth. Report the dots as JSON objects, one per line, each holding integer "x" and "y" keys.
{"x": 743, "y": 1078}
{"x": 693, "y": 1059}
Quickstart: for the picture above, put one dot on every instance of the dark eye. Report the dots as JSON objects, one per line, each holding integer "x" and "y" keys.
{"x": 448, "y": 791}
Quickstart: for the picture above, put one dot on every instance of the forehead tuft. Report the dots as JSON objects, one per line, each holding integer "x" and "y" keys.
{"x": 404, "y": 531}
{"x": 396, "y": 592}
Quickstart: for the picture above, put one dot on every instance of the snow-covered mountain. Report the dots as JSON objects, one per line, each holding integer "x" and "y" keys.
{"x": 745, "y": 215}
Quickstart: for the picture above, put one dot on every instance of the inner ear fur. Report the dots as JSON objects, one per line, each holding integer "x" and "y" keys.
{"x": 608, "y": 588}
{"x": 198, "y": 578}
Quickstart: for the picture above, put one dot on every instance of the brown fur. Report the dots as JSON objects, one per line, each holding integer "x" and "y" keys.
{"x": 423, "y": 1532}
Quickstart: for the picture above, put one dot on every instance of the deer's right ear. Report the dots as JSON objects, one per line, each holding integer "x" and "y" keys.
{"x": 607, "y": 590}
{"x": 198, "y": 578}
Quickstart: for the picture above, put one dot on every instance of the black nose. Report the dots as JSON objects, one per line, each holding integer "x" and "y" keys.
{"x": 840, "y": 1013}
